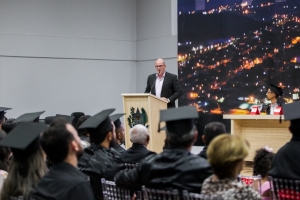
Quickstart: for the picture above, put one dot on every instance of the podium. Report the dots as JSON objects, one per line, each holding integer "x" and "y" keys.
{"x": 260, "y": 131}
{"x": 144, "y": 107}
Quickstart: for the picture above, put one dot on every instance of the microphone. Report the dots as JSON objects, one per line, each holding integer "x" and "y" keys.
{"x": 152, "y": 87}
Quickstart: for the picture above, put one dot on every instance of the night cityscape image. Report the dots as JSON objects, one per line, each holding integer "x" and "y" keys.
{"x": 230, "y": 50}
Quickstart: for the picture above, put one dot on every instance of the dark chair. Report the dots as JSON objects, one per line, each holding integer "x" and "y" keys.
{"x": 112, "y": 192}
{"x": 285, "y": 189}
{"x": 155, "y": 194}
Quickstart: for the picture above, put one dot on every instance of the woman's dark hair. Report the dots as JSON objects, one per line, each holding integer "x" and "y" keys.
{"x": 262, "y": 162}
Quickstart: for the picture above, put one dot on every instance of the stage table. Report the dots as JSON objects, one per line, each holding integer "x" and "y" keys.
{"x": 260, "y": 131}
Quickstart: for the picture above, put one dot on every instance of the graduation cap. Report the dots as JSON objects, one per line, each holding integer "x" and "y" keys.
{"x": 2, "y": 112}
{"x": 24, "y": 139}
{"x": 291, "y": 112}
{"x": 179, "y": 120}
{"x": 98, "y": 123}
{"x": 68, "y": 118}
{"x": 29, "y": 117}
{"x": 276, "y": 89}
{"x": 116, "y": 119}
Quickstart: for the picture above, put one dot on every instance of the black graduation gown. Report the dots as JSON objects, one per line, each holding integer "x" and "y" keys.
{"x": 286, "y": 163}
{"x": 171, "y": 169}
{"x": 135, "y": 153}
{"x": 63, "y": 181}
{"x": 98, "y": 162}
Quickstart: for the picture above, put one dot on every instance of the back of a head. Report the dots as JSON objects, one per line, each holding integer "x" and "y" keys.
{"x": 183, "y": 141}
{"x": 139, "y": 134}
{"x": 262, "y": 161}
{"x": 224, "y": 152}
{"x": 79, "y": 122}
{"x": 212, "y": 130}
{"x": 56, "y": 139}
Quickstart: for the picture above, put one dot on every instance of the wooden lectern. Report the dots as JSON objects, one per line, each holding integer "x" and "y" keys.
{"x": 148, "y": 104}
{"x": 260, "y": 131}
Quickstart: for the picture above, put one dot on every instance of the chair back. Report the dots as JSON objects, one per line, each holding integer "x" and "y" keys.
{"x": 155, "y": 194}
{"x": 112, "y": 192}
{"x": 130, "y": 165}
{"x": 285, "y": 189}
{"x": 252, "y": 181}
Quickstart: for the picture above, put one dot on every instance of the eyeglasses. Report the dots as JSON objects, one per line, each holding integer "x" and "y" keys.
{"x": 269, "y": 92}
{"x": 158, "y": 66}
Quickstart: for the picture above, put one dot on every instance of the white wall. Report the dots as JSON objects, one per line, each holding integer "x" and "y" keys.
{"x": 80, "y": 55}
{"x": 65, "y": 56}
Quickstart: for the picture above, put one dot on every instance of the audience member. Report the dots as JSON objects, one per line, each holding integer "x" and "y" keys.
{"x": 29, "y": 117}
{"x": 175, "y": 167}
{"x": 28, "y": 164}
{"x": 226, "y": 155}
{"x": 286, "y": 161}
{"x": 211, "y": 131}
{"x": 5, "y": 154}
{"x": 139, "y": 137}
{"x": 272, "y": 94}
{"x": 64, "y": 181}
{"x": 99, "y": 160}
{"x": 120, "y": 132}
{"x": 82, "y": 133}
{"x": 9, "y": 125}
{"x": 2, "y": 113}
{"x": 76, "y": 116}
{"x": 262, "y": 164}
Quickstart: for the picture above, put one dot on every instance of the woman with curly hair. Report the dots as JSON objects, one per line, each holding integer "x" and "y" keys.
{"x": 262, "y": 164}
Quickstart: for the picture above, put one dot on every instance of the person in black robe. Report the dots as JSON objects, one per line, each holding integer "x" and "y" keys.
{"x": 286, "y": 161}
{"x": 100, "y": 160}
{"x": 175, "y": 167}
{"x": 273, "y": 93}
{"x": 120, "y": 132}
{"x": 211, "y": 131}
{"x": 139, "y": 137}
{"x": 64, "y": 181}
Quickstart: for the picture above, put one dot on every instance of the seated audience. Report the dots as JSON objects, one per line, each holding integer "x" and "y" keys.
{"x": 211, "y": 131}
{"x": 5, "y": 154}
{"x": 28, "y": 164}
{"x": 9, "y": 125}
{"x": 261, "y": 166}
{"x": 175, "y": 167}
{"x": 99, "y": 160}
{"x": 120, "y": 132}
{"x": 286, "y": 161}
{"x": 139, "y": 137}
{"x": 226, "y": 155}
{"x": 64, "y": 181}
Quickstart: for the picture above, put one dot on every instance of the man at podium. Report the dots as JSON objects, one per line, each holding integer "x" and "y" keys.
{"x": 163, "y": 84}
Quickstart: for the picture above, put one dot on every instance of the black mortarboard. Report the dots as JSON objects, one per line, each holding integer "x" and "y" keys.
{"x": 29, "y": 117}
{"x": 291, "y": 112}
{"x": 68, "y": 118}
{"x": 2, "y": 112}
{"x": 116, "y": 119}
{"x": 276, "y": 89}
{"x": 24, "y": 139}
{"x": 100, "y": 121}
{"x": 179, "y": 120}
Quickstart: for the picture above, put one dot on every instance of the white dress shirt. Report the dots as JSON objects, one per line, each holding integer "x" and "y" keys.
{"x": 158, "y": 85}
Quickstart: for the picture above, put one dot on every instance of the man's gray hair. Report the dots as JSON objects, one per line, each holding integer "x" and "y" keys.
{"x": 138, "y": 134}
